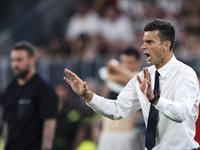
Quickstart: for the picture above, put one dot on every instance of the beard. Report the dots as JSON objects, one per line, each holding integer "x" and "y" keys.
{"x": 21, "y": 74}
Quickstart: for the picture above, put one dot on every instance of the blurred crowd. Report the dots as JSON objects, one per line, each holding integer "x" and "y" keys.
{"x": 102, "y": 29}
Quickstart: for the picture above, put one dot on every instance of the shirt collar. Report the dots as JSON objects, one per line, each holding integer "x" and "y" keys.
{"x": 166, "y": 68}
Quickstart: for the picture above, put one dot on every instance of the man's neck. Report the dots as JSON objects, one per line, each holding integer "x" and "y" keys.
{"x": 26, "y": 79}
{"x": 165, "y": 61}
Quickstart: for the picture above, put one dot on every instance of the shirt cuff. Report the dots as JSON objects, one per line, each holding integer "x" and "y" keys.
{"x": 95, "y": 101}
{"x": 162, "y": 104}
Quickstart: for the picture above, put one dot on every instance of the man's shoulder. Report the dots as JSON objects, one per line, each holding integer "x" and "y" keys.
{"x": 43, "y": 85}
{"x": 40, "y": 81}
{"x": 184, "y": 71}
{"x": 184, "y": 68}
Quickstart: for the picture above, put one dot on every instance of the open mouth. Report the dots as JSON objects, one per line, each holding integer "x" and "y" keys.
{"x": 148, "y": 56}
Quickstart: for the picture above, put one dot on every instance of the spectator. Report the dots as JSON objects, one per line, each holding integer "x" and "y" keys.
{"x": 68, "y": 119}
{"x": 89, "y": 129}
{"x": 81, "y": 48}
{"x": 120, "y": 134}
{"x": 87, "y": 136}
{"x": 83, "y": 21}
{"x": 116, "y": 29}
{"x": 57, "y": 47}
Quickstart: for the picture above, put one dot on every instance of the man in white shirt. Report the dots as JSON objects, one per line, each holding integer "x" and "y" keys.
{"x": 176, "y": 101}
{"x": 83, "y": 21}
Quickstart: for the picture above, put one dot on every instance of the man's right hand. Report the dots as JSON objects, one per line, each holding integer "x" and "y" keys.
{"x": 145, "y": 85}
{"x": 78, "y": 86}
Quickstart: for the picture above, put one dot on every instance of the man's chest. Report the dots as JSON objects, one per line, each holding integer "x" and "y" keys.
{"x": 168, "y": 88}
{"x": 20, "y": 105}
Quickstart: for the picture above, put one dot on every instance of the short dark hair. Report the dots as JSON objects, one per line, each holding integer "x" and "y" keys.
{"x": 165, "y": 28}
{"x": 133, "y": 52}
{"x": 27, "y": 46}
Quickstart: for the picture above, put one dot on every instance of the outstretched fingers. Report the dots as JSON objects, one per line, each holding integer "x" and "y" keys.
{"x": 146, "y": 87}
{"x": 139, "y": 79}
{"x": 148, "y": 75}
{"x": 67, "y": 80}
{"x": 145, "y": 74}
{"x": 72, "y": 76}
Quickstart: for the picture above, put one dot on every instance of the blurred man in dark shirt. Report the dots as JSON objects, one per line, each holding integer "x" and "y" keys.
{"x": 29, "y": 103}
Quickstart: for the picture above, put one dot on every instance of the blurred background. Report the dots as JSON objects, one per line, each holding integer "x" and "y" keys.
{"x": 83, "y": 34}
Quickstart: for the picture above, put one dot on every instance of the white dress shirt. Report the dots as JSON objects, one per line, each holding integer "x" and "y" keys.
{"x": 177, "y": 106}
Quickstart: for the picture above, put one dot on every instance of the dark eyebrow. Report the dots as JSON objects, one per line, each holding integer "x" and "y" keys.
{"x": 148, "y": 41}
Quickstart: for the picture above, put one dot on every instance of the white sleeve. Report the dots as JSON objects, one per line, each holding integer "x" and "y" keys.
{"x": 126, "y": 103}
{"x": 185, "y": 97}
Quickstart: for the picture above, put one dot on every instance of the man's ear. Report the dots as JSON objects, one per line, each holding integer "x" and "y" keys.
{"x": 32, "y": 60}
{"x": 167, "y": 45}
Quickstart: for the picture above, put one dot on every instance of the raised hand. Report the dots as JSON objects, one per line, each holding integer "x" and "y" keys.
{"x": 78, "y": 86}
{"x": 119, "y": 73}
{"x": 145, "y": 85}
